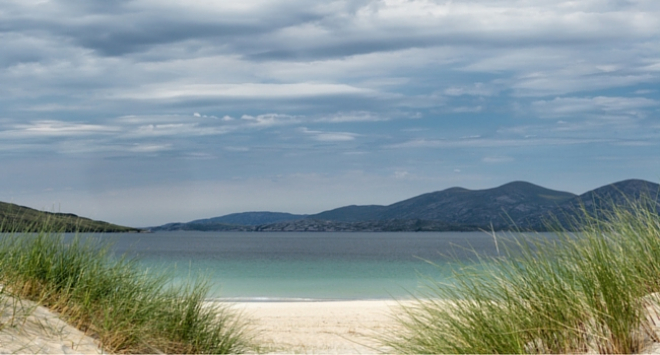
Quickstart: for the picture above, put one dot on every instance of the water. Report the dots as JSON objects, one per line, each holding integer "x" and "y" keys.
{"x": 305, "y": 266}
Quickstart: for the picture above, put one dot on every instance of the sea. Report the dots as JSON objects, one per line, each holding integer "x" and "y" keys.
{"x": 300, "y": 266}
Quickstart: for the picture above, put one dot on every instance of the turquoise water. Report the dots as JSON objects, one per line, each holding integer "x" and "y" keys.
{"x": 305, "y": 266}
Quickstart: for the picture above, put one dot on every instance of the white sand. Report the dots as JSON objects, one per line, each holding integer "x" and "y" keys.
{"x": 341, "y": 327}
{"x": 26, "y": 328}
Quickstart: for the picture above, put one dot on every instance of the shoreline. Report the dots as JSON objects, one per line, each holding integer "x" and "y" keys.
{"x": 238, "y": 300}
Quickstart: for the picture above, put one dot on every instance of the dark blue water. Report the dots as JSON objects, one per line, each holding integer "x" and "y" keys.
{"x": 275, "y": 266}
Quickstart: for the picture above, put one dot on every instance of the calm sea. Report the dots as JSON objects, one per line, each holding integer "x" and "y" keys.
{"x": 304, "y": 266}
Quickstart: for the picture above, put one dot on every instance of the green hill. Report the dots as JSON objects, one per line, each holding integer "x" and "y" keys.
{"x": 15, "y": 218}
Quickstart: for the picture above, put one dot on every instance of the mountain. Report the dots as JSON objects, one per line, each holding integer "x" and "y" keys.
{"x": 619, "y": 193}
{"x": 235, "y": 221}
{"x": 251, "y": 218}
{"x": 600, "y": 200}
{"x": 15, "y": 218}
{"x": 514, "y": 205}
{"x": 499, "y": 206}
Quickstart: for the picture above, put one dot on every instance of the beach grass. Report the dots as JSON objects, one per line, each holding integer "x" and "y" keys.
{"x": 565, "y": 293}
{"x": 128, "y": 309}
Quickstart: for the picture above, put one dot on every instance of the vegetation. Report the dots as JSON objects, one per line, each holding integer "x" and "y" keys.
{"x": 24, "y": 219}
{"x": 127, "y": 309}
{"x": 573, "y": 293}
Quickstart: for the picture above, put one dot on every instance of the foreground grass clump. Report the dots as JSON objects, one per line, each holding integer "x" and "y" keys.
{"x": 126, "y": 308}
{"x": 570, "y": 293}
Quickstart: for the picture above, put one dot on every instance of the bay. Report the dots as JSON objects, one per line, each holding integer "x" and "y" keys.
{"x": 304, "y": 266}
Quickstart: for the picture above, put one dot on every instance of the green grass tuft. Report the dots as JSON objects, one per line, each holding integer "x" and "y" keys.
{"x": 584, "y": 292}
{"x": 128, "y": 309}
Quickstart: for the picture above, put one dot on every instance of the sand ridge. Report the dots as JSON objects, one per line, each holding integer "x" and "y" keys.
{"x": 27, "y": 328}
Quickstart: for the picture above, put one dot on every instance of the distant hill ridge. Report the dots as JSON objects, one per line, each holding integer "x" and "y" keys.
{"x": 15, "y": 218}
{"x": 251, "y": 218}
{"x": 517, "y": 204}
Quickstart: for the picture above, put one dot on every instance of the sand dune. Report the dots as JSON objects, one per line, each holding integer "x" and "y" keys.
{"x": 26, "y": 328}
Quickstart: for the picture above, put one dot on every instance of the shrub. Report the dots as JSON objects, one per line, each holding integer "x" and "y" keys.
{"x": 565, "y": 293}
{"x": 128, "y": 309}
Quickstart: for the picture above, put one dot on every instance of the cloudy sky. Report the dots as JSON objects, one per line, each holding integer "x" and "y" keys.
{"x": 142, "y": 112}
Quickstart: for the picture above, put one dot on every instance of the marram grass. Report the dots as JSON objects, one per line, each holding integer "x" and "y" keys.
{"x": 573, "y": 293}
{"x": 126, "y": 308}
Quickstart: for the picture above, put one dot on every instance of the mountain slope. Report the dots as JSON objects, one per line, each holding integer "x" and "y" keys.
{"x": 351, "y": 214}
{"x": 619, "y": 194}
{"x": 251, "y": 218}
{"x": 499, "y": 206}
{"x": 15, "y": 218}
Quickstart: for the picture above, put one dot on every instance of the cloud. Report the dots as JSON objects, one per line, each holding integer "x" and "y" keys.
{"x": 52, "y": 128}
{"x": 359, "y": 116}
{"x": 176, "y": 129}
{"x": 497, "y": 159}
{"x": 494, "y": 143}
{"x": 149, "y": 148}
{"x": 401, "y": 174}
{"x": 124, "y": 88}
{"x": 270, "y": 119}
{"x": 323, "y": 136}
{"x": 478, "y": 89}
{"x": 247, "y": 90}
{"x": 572, "y": 106}
{"x": 467, "y": 109}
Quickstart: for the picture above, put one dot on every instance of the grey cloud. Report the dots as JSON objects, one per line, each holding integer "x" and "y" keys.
{"x": 119, "y": 28}
{"x": 280, "y": 30}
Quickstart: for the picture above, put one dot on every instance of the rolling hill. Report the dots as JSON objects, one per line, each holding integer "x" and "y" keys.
{"x": 15, "y": 218}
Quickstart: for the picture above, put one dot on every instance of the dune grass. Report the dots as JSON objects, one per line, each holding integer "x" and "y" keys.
{"x": 569, "y": 293}
{"x": 128, "y": 309}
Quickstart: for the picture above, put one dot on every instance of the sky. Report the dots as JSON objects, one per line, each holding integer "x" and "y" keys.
{"x": 144, "y": 112}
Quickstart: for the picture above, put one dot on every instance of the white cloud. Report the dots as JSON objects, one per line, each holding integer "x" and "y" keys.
{"x": 571, "y": 106}
{"x": 401, "y": 174}
{"x": 270, "y": 119}
{"x": 246, "y": 90}
{"x": 323, "y": 136}
{"x": 357, "y": 116}
{"x": 477, "y": 89}
{"x": 492, "y": 143}
{"x": 53, "y": 128}
{"x": 149, "y": 148}
{"x": 176, "y": 129}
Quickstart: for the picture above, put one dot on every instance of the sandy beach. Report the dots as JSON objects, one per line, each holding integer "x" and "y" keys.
{"x": 328, "y": 327}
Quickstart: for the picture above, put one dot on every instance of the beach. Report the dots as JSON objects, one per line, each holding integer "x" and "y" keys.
{"x": 323, "y": 327}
